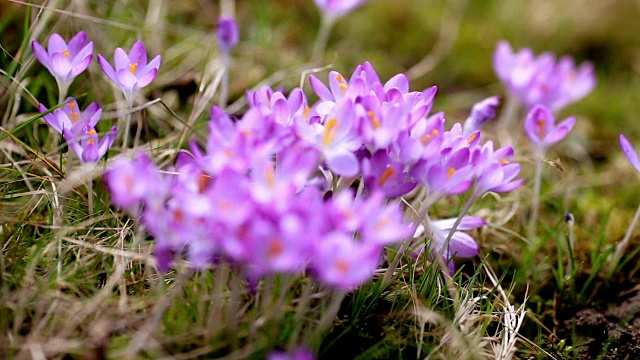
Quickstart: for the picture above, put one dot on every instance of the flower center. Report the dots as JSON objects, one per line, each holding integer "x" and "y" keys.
{"x": 65, "y": 52}
{"x": 540, "y": 127}
{"x": 425, "y": 139}
{"x": 92, "y": 136}
{"x": 133, "y": 67}
{"x": 450, "y": 173}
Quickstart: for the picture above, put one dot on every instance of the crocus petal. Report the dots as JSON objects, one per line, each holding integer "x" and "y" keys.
{"x": 106, "y": 142}
{"x": 320, "y": 89}
{"x": 343, "y": 163}
{"x": 41, "y": 54}
{"x": 81, "y": 66}
{"x": 126, "y": 78}
{"x": 107, "y": 68}
{"x": 56, "y": 44}
{"x": 561, "y": 131}
{"x": 400, "y": 82}
{"x": 629, "y": 152}
{"x": 60, "y": 65}
{"x": 463, "y": 245}
{"x": 77, "y": 42}
{"x": 147, "y": 78}
{"x": 121, "y": 59}
{"x": 153, "y": 64}
{"x": 138, "y": 54}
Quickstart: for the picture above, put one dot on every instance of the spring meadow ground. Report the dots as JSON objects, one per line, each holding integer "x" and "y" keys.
{"x": 305, "y": 215}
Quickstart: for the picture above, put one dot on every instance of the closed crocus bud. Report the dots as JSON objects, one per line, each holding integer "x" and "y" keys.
{"x": 227, "y": 33}
{"x": 481, "y": 112}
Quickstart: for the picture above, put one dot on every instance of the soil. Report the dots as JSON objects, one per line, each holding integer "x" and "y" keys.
{"x": 603, "y": 331}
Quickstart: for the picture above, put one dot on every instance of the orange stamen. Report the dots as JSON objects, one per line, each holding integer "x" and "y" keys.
{"x": 66, "y": 53}
{"x": 275, "y": 247}
{"x": 471, "y": 138}
{"x": 374, "y": 120}
{"x": 450, "y": 172}
{"x": 342, "y": 266}
{"x": 425, "y": 139}
{"x": 540, "y": 125}
{"x": 504, "y": 161}
{"x": 133, "y": 67}
{"x": 330, "y": 131}
{"x": 388, "y": 173}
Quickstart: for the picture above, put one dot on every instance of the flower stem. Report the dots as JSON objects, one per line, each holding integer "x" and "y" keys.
{"x": 90, "y": 195}
{"x": 535, "y": 204}
{"x": 127, "y": 125}
{"x": 224, "y": 84}
{"x": 323, "y": 37}
{"x": 62, "y": 92}
{"x": 622, "y": 245}
{"x": 462, "y": 214}
{"x": 508, "y": 114}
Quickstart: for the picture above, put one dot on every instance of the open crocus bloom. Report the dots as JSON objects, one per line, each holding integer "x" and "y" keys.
{"x": 131, "y": 71}
{"x": 88, "y": 149}
{"x": 65, "y": 61}
{"x": 71, "y": 118}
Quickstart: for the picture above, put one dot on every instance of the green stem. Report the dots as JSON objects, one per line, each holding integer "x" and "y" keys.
{"x": 622, "y": 245}
{"x": 323, "y": 37}
{"x": 535, "y": 204}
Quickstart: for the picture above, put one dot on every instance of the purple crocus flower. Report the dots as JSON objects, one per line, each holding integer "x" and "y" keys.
{"x": 481, "y": 112}
{"x": 227, "y": 33}
{"x": 629, "y": 152}
{"x": 132, "y": 71}
{"x": 541, "y": 128}
{"x": 65, "y": 61}
{"x": 88, "y": 149}
{"x": 335, "y": 9}
{"x": 133, "y": 182}
{"x": 542, "y": 80}
{"x": 461, "y": 244}
{"x": 71, "y": 118}
{"x": 298, "y": 354}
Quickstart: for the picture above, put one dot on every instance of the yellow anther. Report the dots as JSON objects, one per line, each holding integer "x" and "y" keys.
{"x": 66, "y": 53}
{"x": 330, "y": 131}
{"x": 374, "y": 120}
{"x": 270, "y": 176}
{"x": 425, "y": 139}
{"x": 343, "y": 87}
{"x": 504, "y": 161}
{"x": 307, "y": 109}
{"x": 133, "y": 67}
{"x": 471, "y": 138}
{"x": 340, "y": 78}
{"x": 386, "y": 175}
{"x": 450, "y": 172}
{"x": 228, "y": 153}
{"x": 74, "y": 116}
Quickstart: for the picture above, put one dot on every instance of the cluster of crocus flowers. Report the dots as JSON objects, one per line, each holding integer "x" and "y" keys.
{"x": 78, "y": 128}
{"x": 542, "y": 80}
{"x": 270, "y": 192}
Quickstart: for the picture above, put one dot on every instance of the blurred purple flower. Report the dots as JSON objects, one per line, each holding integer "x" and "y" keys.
{"x": 88, "y": 149}
{"x": 136, "y": 181}
{"x": 132, "y": 71}
{"x": 629, "y": 152}
{"x": 542, "y": 80}
{"x": 227, "y": 33}
{"x": 65, "y": 61}
{"x": 335, "y": 9}
{"x": 298, "y": 354}
{"x": 71, "y": 118}
{"x": 481, "y": 112}
{"x": 541, "y": 128}
{"x": 461, "y": 244}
